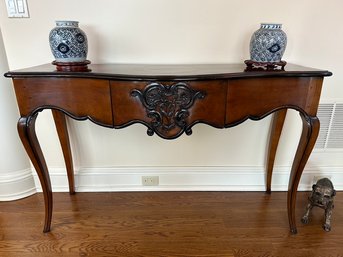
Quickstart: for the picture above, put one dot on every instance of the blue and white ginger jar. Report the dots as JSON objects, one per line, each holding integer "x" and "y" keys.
{"x": 268, "y": 44}
{"x": 68, "y": 42}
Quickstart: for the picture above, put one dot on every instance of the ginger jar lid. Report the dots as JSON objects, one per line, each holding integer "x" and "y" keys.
{"x": 271, "y": 25}
{"x": 67, "y": 23}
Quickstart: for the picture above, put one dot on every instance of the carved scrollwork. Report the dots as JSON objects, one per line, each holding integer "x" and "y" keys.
{"x": 167, "y": 105}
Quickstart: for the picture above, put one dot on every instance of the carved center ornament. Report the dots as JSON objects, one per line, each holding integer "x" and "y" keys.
{"x": 167, "y": 105}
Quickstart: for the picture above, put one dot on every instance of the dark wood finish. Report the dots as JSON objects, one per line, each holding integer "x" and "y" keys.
{"x": 269, "y": 66}
{"x": 114, "y": 96}
{"x": 256, "y": 98}
{"x": 307, "y": 141}
{"x": 210, "y": 109}
{"x": 63, "y": 135}
{"x": 173, "y": 224}
{"x": 78, "y": 97}
{"x": 27, "y": 133}
{"x": 275, "y": 133}
{"x": 72, "y": 66}
{"x": 153, "y": 72}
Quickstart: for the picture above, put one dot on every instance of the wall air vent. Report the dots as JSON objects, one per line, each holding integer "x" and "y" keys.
{"x": 331, "y": 126}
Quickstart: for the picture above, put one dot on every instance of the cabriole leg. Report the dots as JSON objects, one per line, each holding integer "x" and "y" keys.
{"x": 62, "y": 131}
{"x": 27, "y": 133}
{"x": 275, "y": 133}
{"x": 307, "y": 141}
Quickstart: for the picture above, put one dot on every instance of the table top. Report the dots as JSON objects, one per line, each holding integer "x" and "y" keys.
{"x": 167, "y": 71}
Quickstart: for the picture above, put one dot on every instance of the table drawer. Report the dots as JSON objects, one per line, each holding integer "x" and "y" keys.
{"x": 257, "y": 97}
{"x": 80, "y": 98}
{"x": 169, "y": 108}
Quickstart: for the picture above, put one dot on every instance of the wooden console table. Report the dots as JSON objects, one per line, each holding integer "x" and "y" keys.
{"x": 169, "y": 100}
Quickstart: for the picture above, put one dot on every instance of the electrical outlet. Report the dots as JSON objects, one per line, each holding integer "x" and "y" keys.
{"x": 150, "y": 180}
{"x": 316, "y": 178}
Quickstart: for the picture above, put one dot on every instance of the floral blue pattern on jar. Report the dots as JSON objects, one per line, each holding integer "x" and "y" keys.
{"x": 68, "y": 42}
{"x": 268, "y": 44}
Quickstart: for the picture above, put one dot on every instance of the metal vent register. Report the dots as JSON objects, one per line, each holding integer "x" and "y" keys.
{"x": 331, "y": 126}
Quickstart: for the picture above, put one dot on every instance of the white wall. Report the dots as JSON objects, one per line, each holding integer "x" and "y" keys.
{"x": 181, "y": 31}
{"x": 16, "y": 180}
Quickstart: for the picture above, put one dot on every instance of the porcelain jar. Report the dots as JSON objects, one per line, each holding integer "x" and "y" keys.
{"x": 268, "y": 44}
{"x": 68, "y": 42}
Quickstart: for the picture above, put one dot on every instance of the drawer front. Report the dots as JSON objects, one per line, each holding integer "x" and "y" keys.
{"x": 168, "y": 108}
{"x": 80, "y": 98}
{"x": 256, "y": 97}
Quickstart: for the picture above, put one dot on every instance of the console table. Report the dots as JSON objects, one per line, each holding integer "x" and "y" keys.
{"x": 169, "y": 100}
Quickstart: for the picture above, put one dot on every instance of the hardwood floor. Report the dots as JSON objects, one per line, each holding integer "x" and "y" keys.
{"x": 168, "y": 224}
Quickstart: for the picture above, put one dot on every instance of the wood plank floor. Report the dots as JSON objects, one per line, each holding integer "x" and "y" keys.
{"x": 167, "y": 224}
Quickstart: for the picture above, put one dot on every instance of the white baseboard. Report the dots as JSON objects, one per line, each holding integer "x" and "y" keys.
{"x": 213, "y": 178}
{"x": 16, "y": 185}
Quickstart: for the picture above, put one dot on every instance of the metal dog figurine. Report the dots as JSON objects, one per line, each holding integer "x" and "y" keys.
{"x": 322, "y": 196}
